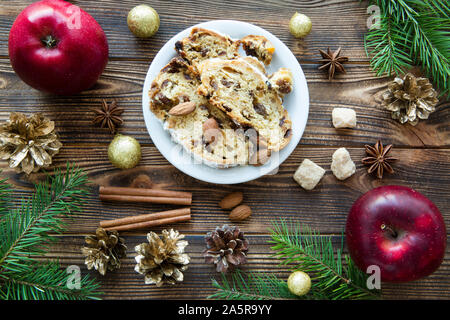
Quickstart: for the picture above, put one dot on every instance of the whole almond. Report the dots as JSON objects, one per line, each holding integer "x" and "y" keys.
{"x": 231, "y": 200}
{"x": 182, "y": 109}
{"x": 240, "y": 213}
{"x": 209, "y": 124}
{"x": 211, "y": 130}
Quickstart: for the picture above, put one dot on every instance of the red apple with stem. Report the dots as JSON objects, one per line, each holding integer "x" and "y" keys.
{"x": 56, "y": 47}
{"x": 397, "y": 229}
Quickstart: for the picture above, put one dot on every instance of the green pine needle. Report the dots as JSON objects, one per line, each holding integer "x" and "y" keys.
{"x": 26, "y": 232}
{"x": 251, "y": 286}
{"x": 5, "y": 196}
{"x": 333, "y": 275}
{"x": 387, "y": 46}
{"x": 412, "y": 32}
{"x": 46, "y": 282}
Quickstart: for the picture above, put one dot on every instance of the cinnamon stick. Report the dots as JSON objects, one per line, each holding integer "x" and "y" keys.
{"x": 144, "y": 192}
{"x": 146, "y": 217}
{"x": 124, "y": 194}
{"x": 164, "y": 200}
{"x": 152, "y": 223}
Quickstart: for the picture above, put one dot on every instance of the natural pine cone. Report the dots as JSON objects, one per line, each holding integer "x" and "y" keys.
{"x": 226, "y": 247}
{"x": 410, "y": 99}
{"x": 104, "y": 251}
{"x": 29, "y": 143}
{"x": 162, "y": 260}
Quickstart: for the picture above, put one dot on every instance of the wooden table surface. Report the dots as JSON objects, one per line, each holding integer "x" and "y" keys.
{"x": 423, "y": 150}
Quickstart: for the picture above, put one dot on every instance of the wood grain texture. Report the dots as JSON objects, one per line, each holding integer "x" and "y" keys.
{"x": 358, "y": 89}
{"x": 127, "y": 284}
{"x": 424, "y": 150}
{"x": 270, "y": 197}
{"x": 344, "y": 25}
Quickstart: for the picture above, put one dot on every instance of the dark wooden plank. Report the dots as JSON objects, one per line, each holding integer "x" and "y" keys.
{"x": 270, "y": 197}
{"x": 125, "y": 283}
{"x": 345, "y": 23}
{"x": 122, "y": 80}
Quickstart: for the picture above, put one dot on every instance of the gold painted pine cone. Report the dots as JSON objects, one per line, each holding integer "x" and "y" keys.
{"x": 162, "y": 260}
{"x": 410, "y": 99}
{"x": 29, "y": 143}
{"x": 104, "y": 251}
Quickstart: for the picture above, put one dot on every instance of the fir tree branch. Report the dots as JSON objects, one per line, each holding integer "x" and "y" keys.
{"x": 46, "y": 282}
{"x": 254, "y": 286}
{"x": 314, "y": 254}
{"x": 25, "y": 233}
{"x": 412, "y": 32}
{"x": 386, "y": 46}
{"x": 333, "y": 275}
{"x": 431, "y": 48}
{"x": 5, "y": 196}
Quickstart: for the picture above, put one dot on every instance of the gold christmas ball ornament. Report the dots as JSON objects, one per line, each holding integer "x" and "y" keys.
{"x": 143, "y": 21}
{"x": 124, "y": 152}
{"x": 299, "y": 283}
{"x": 300, "y": 25}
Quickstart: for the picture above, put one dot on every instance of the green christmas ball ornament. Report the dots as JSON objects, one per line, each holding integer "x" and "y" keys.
{"x": 124, "y": 152}
{"x": 143, "y": 21}
{"x": 300, "y": 25}
{"x": 299, "y": 283}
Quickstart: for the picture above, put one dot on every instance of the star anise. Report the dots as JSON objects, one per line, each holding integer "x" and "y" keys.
{"x": 108, "y": 116}
{"x": 332, "y": 61}
{"x": 378, "y": 159}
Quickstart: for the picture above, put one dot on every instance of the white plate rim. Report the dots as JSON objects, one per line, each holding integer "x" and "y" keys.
{"x": 161, "y": 138}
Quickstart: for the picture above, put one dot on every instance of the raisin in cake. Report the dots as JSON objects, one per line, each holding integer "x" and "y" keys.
{"x": 228, "y": 93}
{"x": 259, "y": 47}
{"x": 246, "y": 96}
{"x": 282, "y": 81}
{"x": 205, "y": 44}
{"x": 177, "y": 83}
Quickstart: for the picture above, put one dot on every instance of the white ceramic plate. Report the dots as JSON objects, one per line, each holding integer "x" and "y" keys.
{"x": 297, "y": 104}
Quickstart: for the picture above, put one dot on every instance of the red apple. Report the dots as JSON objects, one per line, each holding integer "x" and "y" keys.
{"x": 55, "y": 46}
{"x": 397, "y": 229}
